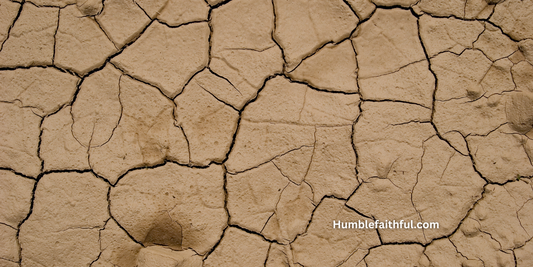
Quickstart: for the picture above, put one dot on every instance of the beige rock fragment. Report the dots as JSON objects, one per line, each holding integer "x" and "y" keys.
{"x": 304, "y": 26}
{"x": 442, "y": 253}
{"x": 242, "y": 47}
{"x": 122, "y": 20}
{"x": 19, "y": 139}
{"x": 238, "y": 248}
{"x": 523, "y": 255}
{"x": 59, "y": 148}
{"x": 69, "y": 211}
{"x": 145, "y": 136}
{"x": 403, "y": 3}
{"x": 117, "y": 247}
{"x": 165, "y": 257}
{"x": 90, "y": 7}
{"x": 494, "y": 44}
{"x": 459, "y": 76}
{"x": 8, "y": 12}
{"x": 413, "y": 83}
{"x": 31, "y": 39}
{"x": 44, "y": 89}
{"x": 469, "y": 9}
{"x": 97, "y": 110}
{"x": 298, "y": 104}
{"x": 447, "y": 187}
{"x": 58, "y": 3}
{"x": 387, "y": 42}
{"x": 80, "y": 43}
{"x": 208, "y": 124}
{"x": 363, "y": 8}
{"x": 515, "y": 18}
{"x": 221, "y": 88}
{"x": 177, "y": 12}
{"x": 15, "y": 196}
{"x": 500, "y": 156}
{"x": 332, "y": 68}
{"x": 191, "y": 199}
{"x": 397, "y": 256}
{"x": 152, "y": 58}
{"x": 448, "y": 34}
{"x": 324, "y": 246}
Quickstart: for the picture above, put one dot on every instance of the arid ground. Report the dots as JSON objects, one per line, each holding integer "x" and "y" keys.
{"x": 260, "y": 132}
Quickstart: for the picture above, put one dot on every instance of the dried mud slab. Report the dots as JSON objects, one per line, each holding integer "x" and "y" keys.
{"x": 80, "y": 43}
{"x": 467, "y": 9}
{"x": 397, "y": 255}
{"x": 31, "y": 38}
{"x": 302, "y": 118}
{"x": 186, "y": 206}
{"x": 117, "y": 248}
{"x": 238, "y": 248}
{"x": 392, "y": 63}
{"x": 152, "y": 58}
{"x": 19, "y": 139}
{"x": 481, "y": 236}
{"x": 16, "y": 197}
{"x": 323, "y": 246}
{"x": 122, "y": 21}
{"x": 161, "y": 256}
{"x": 144, "y": 136}
{"x": 398, "y": 173}
{"x": 362, "y": 8}
{"x": 515, "y": 18}
{"x": 9, "y": 11}
{"x": 332, "y": 68}
{"x": 241, "y": 132}
{"x": 198, "y": 112}
{"x": 65, "y": 230}
{"x": 45, "y": 90}
{"x": 60, "y": 150}
{"x": 242, "y": 48}
{"x": 301, "y": 27}
{"x": 448, "y": 34}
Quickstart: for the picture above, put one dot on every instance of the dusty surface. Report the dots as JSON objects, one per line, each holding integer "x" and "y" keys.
{"x": 235, "y": 132}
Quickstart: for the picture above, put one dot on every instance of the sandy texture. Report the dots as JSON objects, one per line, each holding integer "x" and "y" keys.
{"x": 199, "y": 133}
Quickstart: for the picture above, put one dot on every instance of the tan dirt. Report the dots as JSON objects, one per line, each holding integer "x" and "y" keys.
{"x": 199, "y": 133}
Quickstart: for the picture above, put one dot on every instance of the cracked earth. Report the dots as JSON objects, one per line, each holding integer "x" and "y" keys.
{"x": 233, "y": 133}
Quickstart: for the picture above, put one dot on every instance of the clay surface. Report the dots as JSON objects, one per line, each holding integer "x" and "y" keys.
{"x": 142, "y": 133}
